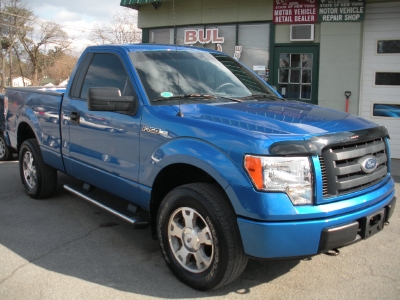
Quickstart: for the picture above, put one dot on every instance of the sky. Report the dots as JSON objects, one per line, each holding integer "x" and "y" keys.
{"x": 76, "y": 16}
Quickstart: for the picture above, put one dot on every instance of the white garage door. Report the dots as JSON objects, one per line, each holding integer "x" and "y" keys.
{"x": 380, "y": 82}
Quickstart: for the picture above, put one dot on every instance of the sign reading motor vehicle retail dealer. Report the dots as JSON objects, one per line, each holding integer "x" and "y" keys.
{"x": 341, "y": 11}
{"x": 295, "y": 12}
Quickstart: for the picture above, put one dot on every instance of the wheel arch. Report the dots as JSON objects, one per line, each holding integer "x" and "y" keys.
{"x": 197, "y": 161}
{"x": 24, "y": 132}
{"x": 27, "y": 127}
{"x": 173, "y": 176}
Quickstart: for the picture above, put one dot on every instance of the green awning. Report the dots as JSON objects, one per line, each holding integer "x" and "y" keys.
{"x": 136, "y": 3}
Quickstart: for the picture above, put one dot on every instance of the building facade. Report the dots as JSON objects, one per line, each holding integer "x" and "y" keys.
{"x": 21, "y": 81}
{"x": 340, "y": 54}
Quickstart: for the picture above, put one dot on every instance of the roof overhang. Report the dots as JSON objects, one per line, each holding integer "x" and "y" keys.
{"x": 136, "y": 3}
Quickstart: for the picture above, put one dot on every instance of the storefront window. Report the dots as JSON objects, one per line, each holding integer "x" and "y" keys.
{"x": 252, "y": 48}
{"x": 180, "y": 35}
{"x": 254, "y": 39}
{"x": 228, "y": 32}
{"x": 162, "y": 36}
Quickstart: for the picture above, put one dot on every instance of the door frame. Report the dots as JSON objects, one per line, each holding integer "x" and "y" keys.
{"x": 296, "y": 48}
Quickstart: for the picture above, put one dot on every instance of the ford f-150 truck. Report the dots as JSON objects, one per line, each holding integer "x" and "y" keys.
{"x": 223, "y": 166}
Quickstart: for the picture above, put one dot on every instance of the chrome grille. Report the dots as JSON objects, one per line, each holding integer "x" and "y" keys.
{"x": 341, "y": 170}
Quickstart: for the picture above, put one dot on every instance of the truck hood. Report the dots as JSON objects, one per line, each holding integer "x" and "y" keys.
{"x": 277, "y": 117}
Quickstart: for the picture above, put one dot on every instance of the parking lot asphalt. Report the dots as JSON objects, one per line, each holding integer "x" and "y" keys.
{"x": 66, "y": 248}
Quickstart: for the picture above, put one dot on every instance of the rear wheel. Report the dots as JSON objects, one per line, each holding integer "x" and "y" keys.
{"x": 4, "y": 151}
{"x": 39, "y": 179}
{"x": 199, "y": 237}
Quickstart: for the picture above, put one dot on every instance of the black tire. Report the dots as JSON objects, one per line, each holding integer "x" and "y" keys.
{"x": 4, "y": 151}
{"x": 205, "y": 249}
{"x": 39, "y": 179}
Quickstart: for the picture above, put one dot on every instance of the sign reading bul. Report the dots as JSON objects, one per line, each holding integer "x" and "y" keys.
{"x": 193, "y": 36}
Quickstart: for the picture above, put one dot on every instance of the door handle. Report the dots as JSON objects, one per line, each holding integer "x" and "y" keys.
{"x": 74, "y": 117}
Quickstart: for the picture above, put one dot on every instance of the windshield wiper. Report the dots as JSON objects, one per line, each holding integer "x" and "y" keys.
{"x": 186, "y": 96}
{"x": 268, "y": 96}
{"x": 229, "y": 98}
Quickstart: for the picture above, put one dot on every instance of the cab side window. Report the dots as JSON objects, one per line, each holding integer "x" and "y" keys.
{"x": 106, "y": 70}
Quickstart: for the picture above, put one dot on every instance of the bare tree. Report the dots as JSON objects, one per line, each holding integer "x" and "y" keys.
{"x": 61, "y": 67}
{"x": 37, "y": 40}
{"x": 13, "y": 16}
{"x": 121, "y": 30}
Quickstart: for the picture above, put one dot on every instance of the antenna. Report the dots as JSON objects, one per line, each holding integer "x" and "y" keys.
{"x": 179, "y": 114}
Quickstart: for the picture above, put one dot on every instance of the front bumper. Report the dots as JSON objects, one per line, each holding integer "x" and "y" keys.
{"x": 275, "y": 240}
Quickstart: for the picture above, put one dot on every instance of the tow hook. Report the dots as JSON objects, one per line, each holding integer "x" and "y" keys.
{"x": 333, "y": 252}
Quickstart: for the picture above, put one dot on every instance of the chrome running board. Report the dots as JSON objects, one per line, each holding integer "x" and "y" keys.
{"x": 135, "y": 220}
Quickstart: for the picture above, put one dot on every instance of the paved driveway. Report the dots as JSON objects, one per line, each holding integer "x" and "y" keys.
{"x": 66, "y": 248}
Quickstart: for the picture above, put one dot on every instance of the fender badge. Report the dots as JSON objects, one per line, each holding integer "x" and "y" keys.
{"x": 154, "y": 130}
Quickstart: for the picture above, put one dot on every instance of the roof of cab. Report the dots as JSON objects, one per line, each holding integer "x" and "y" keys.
{"x": 151, "y": 47}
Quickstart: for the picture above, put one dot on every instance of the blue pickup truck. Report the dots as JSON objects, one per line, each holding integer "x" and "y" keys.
{"x": 201, "y": 149}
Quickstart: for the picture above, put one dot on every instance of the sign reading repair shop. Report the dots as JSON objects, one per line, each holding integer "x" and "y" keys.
{"x": 341, "y": 11}
{"x": 295, "y": 12}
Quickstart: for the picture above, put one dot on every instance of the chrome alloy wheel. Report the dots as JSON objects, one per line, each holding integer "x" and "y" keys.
{"x": 29, "y": 170}
{"x": 190, "y": 239}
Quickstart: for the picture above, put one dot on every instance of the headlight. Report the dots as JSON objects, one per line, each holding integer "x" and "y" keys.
{"x": 291, "y": 175}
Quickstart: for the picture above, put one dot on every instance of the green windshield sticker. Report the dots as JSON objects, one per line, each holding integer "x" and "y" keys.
{"x": 166, "y": 94}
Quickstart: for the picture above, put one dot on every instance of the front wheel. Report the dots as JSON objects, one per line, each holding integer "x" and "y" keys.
{"x": 39, "y": 179}
{"x": 199, "y": 237}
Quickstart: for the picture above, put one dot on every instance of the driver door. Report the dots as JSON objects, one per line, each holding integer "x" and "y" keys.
{"x": 104, "y": 146}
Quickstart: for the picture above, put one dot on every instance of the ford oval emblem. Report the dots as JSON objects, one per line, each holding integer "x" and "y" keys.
{"x": 368, "y": 163}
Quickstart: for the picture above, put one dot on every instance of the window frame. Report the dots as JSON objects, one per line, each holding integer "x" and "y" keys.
{"x": 373, "y": 103}
{"x": 385, "y": 39}
{"x": 382, "y": 85}
{"x": 128, "y": 78}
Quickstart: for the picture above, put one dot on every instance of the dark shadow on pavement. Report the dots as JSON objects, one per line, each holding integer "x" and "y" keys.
{"x": 67, "y": 235}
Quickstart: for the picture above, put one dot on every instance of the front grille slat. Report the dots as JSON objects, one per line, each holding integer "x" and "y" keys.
{"x": 361, "y": 179}
{"x": 349, "y": 168}
{"x": 358, "y": 151}
{"x": 341, "y": 169}
{"x": 381, "y": 158}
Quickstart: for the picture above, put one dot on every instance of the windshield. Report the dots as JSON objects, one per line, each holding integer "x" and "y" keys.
{"x": 187, "y": 76}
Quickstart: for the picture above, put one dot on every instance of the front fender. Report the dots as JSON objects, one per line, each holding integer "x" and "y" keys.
{"x": 197, "y": 153}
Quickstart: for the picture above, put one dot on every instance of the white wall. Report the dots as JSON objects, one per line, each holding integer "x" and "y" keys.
{"x": 382, "y": 21}
{"x": 340, "y": 65}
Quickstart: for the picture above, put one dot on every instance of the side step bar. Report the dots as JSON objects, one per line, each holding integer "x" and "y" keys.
{"x": 136, "y": 221}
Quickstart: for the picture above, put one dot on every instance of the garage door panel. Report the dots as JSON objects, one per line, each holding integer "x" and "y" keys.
{"x": 382, "y": 21}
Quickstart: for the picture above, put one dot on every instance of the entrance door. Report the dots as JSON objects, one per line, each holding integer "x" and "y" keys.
{"x": 296, "y": 72}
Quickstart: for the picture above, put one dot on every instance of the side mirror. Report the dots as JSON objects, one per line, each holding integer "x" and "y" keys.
{"x": 108, "y": 99}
